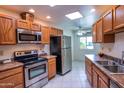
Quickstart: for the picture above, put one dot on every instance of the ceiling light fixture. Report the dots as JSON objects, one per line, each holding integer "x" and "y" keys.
{"x": 74, "y": 15}
{"x": 31, "y": 10}
{"x": 92, "y": 10}
{"x": 48, "y": 17}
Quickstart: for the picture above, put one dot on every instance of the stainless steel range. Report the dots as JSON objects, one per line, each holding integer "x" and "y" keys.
{"x": 35, "y": 68}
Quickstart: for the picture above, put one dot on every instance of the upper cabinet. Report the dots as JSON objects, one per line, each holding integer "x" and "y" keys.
{"x": 23, "y": 24}
{"x": 98, "y": 33}
{"x": 35, "y": 27}
{"x": 45, "y": 34}
{"x": 108, "y": 22}
{"x": 119, "y": 17}
{"x": 7, "y": 30}
{"x": 99, "y": 29}
{"x": 56, "y": 32}
{"x": 28, "y": 25}
{"x": 94, "y": 33}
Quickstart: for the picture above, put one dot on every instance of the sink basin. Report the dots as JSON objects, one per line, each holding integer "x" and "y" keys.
{"x": 115, "y": 69}
{"x": 106, "y": 63}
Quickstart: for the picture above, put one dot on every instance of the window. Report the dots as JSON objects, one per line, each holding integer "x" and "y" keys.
{"x": 86, "y": 42}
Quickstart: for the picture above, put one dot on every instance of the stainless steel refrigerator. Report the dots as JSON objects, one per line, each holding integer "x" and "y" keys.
{"x": 61, "y": 47}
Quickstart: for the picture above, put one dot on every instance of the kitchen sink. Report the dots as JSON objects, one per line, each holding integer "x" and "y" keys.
{"x": 115, "y": 69}
{"x": 110, "y": 63}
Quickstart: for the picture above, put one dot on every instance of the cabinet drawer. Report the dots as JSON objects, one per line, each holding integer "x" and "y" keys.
{"x": 7, "y": 73}
{"x": 12, "y": 81}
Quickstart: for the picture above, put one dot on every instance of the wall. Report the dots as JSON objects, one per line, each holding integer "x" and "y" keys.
{"x": 8, "y": 50}
{"x": 79, "y": 54}
{"x": 114, "y": 49}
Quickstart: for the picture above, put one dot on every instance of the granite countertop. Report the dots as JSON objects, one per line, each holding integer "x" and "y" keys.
{"x": 117, "y": 78}
{"x": 48, "y": 56}
{"x": 10, "y": 65}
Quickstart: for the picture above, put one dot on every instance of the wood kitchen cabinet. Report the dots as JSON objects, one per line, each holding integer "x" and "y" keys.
{"x": 51, "y": 67}
{"x": 102, "y": 84}
{"x": 23, "y": 24}
{"x": 7, "y": 30}
{"x": 35, "y": 27}
{"x": 12, "y": 78}
{"x": 95, "y": 79}
{"x": 100, "y": 80}
{"x": 60, "y": 32}
{"x": 119, "y": 17}
{"x": 53, "y": 31}
{"x": 108, "y": 22}
{"x": 98, "y": 34}
{"x": 94, "y": 33}
{"x": 99, "y": 29}
{"x": 45, "y": 34}
{"x": 88, "y": 69}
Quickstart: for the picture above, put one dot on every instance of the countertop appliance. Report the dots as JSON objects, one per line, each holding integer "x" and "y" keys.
{"x": 60, "y": 46}
{"x": 35, "y": 68}
{"x": 25, "y": 36}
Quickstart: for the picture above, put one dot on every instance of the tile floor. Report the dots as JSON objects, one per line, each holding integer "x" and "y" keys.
{"x": 74, "y": 79}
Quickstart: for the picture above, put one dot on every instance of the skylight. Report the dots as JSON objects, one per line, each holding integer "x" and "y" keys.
{"x": 74, "y": 15}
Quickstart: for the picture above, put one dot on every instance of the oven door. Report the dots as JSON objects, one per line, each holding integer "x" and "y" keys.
{"x": 24, "y": 36}
{"x": 35, "y": 72}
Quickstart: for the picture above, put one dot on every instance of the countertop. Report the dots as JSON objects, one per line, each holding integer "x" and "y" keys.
{"x": 10, "y": 65}
{"x": 117, "y": 78}
{"x": 48, "y": 56}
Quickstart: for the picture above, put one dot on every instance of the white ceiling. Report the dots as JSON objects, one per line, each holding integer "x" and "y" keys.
{"x": 58, "y": 13}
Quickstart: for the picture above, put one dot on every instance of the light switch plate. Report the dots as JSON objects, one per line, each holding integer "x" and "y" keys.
{"x": 1, "y": 53}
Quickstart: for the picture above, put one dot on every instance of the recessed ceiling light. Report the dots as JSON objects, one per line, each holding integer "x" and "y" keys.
{"x": 74, "y": 15}
{"x": 48, "y": 17}
{"x": 31, "y": 10}
{"x": 92, "y": 10}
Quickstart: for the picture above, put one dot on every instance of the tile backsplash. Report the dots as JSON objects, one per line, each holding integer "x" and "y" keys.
{"x": 114, "y": 49}
{"x": 7, "y": 51}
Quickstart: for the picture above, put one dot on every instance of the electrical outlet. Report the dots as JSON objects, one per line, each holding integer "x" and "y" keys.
{"x": 1, "y": 53}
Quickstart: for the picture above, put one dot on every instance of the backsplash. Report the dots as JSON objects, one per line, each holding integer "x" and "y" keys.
{"x": 8, "y": 50}
{"x": 114, "y": 49}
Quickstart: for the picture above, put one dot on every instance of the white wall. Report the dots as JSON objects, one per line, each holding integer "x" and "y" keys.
{"x": 115, "y": 49}
{"x": 79, "y": 54}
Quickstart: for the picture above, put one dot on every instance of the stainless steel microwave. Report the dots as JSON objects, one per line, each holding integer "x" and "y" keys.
{"x": 27, "y": 37}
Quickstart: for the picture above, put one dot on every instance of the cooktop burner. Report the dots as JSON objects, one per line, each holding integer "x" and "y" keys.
{"x": 28, "y": 57}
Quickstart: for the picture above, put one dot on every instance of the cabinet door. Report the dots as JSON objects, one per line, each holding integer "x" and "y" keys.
{"x": 99, "y": 31}
{"x": 53, "y": 32}
{"x": 60, "y": 32}
{"x": 7, "y": 30}
{"x": 23, "y": 24}
{"x": 108, "y": 21}
{"x": 45, "y": 34}
{"x": 119, "y": 16}
{"x": 51, "y": 68}
{"x": 101, "y": 83}
{"x": 35, "y": 27}
{"x": 94, "y": 33}
{"x": 95, "y": 79}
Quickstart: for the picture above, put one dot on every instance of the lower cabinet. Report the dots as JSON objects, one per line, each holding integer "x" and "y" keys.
{"x": 12, "y": 78}
{"x": 51, "y": 67}
{"x": 95, "y": 76}
{"x": 95, "y": 79}
{"x": 102, "y": 84}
